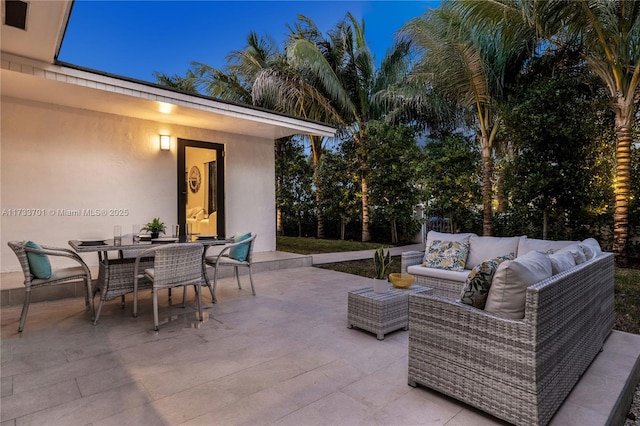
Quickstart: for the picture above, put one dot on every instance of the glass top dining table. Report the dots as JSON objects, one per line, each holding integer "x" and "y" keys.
{"x": 127, "y": 244}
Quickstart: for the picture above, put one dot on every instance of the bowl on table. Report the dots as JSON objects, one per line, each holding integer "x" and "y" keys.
{"x": 401, "y": 280}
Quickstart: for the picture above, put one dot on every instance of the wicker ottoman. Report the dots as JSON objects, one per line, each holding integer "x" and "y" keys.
{"x": 381, "y": 313}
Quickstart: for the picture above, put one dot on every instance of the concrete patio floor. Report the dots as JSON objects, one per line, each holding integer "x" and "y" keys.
{"x": 283, "y": 357}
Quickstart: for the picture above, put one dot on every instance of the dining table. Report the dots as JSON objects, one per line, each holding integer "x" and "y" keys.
{"x": 116, "y": 270}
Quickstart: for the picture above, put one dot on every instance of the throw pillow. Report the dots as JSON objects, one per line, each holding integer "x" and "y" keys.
{"x": 560, "y": 262}
{"x": 449, "y": 255}
{"x": 240, "y": 252}
{"x": 526, "y": 244}
{"x": 39, "y": 264}
{"x": 443, "y": 236}
{"x": 478, "y": 283}
{"x": 577, "y": 252}
{"x": 483, "y": 248}
{"x": 591, "y": 248}
{"x": 508, "y": 291}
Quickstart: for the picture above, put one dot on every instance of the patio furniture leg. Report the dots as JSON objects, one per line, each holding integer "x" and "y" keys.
{"x": 184, "y": 295}
{"x": 89, "y": 300}
{"x": 253, "y": 290}
{"x": 199, "y": 293}
{"x": 155, "y": 308}
{"x": 122, "y": 301}
{"x": 25, "y": 309}
{"x": 215, "y": 284}
{"x": 95, "y": 321}
{"x": 206, "y": 279}
{"x": 237, "y": 277}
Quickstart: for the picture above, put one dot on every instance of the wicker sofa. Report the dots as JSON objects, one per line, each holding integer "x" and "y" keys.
{"x": 517, "y": 370}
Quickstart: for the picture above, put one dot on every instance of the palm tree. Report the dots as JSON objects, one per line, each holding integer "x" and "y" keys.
{"x": 343, "y": 70}
{"x": 610, "y": 35}
{"x": 472, "y": 67}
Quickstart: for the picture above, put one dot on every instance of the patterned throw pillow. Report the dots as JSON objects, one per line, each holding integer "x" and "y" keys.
{"x": 449, "y": 255}
{"x": 478, "y": 283}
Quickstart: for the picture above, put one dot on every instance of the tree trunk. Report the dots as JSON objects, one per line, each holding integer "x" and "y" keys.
{"x": 545, "y": 223}
{"x": 342, "y": 226}
{"x": 320, "y": 229}
{"x": 365, "y": 211}
{"x": 487, "y": 172}
{"x": 502, "y": 199}
{"x": 279, "y": 227}
{"x": 394, "y": 232}
{"x": 316, "y": 154}
{"x": 622, "y": 191}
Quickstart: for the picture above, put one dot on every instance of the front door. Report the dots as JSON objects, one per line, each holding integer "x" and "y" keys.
{"x": 201, "y": 187}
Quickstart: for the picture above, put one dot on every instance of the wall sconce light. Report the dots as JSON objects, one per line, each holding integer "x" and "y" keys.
{"x": 165, "y": 142}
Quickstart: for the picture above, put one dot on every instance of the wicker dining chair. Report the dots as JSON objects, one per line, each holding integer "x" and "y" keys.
{"x": 174, "y": 265}
{"x": 237, "y": 254}
{"x": 23, "y": 249}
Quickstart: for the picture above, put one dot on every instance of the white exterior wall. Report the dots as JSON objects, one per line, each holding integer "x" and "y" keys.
{"x": 57, "y": 159}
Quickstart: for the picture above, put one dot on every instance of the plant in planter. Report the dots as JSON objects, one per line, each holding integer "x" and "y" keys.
{"x": 155, "y": 227}
{"x": 381, "y": 261}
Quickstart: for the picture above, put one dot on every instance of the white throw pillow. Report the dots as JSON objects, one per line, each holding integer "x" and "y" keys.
{"x": 577, "y": 252}
{"x": 483, "y": 248}
{"x": 527, "y": 244}
{"x": 442, "y": 236}
{"x": 591, "y": 248}
{"x": 509, "y": 287}
{"x": 561, "y": 261}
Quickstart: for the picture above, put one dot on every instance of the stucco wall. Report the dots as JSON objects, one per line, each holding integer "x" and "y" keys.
{"x": 83, "y": 172}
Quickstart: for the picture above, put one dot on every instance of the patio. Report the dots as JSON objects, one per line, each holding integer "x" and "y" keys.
{"x": 282, "y": 357}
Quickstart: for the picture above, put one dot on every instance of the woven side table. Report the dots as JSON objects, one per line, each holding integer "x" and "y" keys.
{"x": 381, "y": 313}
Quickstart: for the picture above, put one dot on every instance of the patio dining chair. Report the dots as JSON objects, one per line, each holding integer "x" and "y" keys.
{"x": 238, "y": 254}
{"x": 174, "y": 265}
{"x": 37, "y": 271}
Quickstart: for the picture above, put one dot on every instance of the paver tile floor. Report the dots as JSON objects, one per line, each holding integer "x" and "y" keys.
{"x": 283, "y": 357}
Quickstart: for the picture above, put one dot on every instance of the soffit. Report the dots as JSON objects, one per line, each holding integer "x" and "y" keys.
{"x": 59, "y": 85}
{"x": 45, "y": 24}
{"x": 28, "y": 73}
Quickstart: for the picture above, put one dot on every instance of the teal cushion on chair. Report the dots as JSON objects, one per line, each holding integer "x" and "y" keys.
{"x": 240, "y": 252}
{"x": 38, "y": 263}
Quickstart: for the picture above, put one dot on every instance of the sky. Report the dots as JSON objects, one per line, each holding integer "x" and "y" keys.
{"x": 137, "y": 38}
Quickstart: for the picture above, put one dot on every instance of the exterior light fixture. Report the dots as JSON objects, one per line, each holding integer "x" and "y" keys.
{"x": 165, "y": 142}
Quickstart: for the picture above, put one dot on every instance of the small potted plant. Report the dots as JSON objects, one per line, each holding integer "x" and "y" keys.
{"x": 155, "y": 227}
{"x": 381, "y": 262}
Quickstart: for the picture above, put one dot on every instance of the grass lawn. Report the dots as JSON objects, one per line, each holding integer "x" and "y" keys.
{"x": 316, "y": 246}
{"x": 627, "y": 281}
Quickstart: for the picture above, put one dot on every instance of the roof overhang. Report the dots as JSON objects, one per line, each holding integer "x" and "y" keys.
{"x": 29, "y": 71}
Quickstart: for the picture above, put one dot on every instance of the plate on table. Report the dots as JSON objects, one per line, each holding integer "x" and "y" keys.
{"x": 206, "y": 237}
{"x": 164, "y": 240}
{"x": 92, "y": 243}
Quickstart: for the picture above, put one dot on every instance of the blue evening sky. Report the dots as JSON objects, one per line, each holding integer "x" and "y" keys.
{"x": 136, "y": 38}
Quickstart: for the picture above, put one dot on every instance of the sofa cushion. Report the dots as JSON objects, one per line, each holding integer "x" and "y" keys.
{"x": 483, "y": 248}
{"x": 591, "y": 248}
{"x": 443, "y": 236}
{"x": 508, "y": 290}
{"x": 577, "y": 252}
{"x": 561, "y": 261}
{"x": 442, "y": 274}
{"x": 478, "y": 283}
{"x": 526, "y": 244}
{"x": 450, "y": 255}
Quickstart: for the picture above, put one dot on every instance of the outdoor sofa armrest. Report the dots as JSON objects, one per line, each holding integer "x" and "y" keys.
{"x": 410, "y": 258}
{"x": 60, "y": 252}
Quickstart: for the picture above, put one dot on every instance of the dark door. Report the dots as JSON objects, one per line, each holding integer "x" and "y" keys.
{"x": 201, "y": 187}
